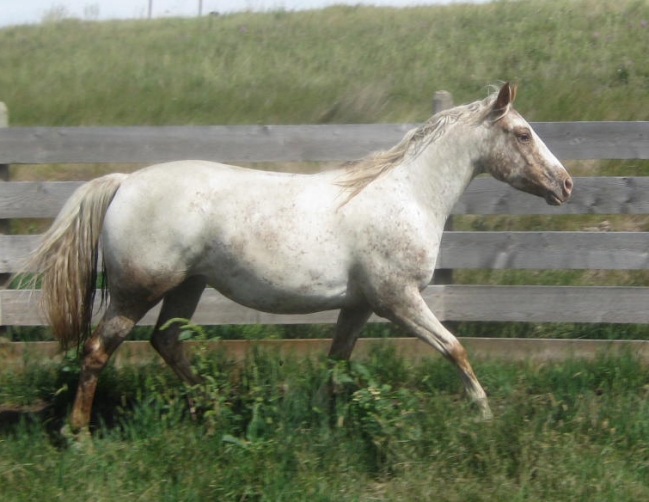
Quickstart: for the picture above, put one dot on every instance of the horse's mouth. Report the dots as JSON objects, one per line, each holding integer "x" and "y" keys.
{"x": 554, "y": 200}
{"x": 560, "y": 193}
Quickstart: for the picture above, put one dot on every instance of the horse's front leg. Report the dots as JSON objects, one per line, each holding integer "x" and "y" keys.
{"x": 411, "y": 312}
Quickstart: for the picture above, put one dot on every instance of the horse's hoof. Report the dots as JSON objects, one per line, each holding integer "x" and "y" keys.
{"x": 76, "y": 438}
{"x": 487, "y": 415}
{"x": 485, "y": 411}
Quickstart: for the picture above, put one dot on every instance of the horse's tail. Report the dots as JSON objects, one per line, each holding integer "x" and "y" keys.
{"x": 67, "y": 259}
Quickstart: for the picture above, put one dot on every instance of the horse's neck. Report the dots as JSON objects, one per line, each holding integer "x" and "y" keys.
{"x": 440, "y": 174}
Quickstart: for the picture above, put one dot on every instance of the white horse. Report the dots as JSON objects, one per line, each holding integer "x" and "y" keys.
{"x": 362, "y": 238}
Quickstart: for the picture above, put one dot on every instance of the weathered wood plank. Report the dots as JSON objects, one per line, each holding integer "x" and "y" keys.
{"x": 608, "y": 304}
{"x": 34, "y": 199}
{"x": 590, "y": 304}
{"x": 592, "y": 195}
{"x": 14, "y": 356}
{"x": 13, "y": 251}
{"x": 36, "y": 145}
{"x": 475, "y": 250}
{"x": 270, "y": 143}
{"x": 596, "y": 140}
{"x": 21, "y": 308}
{"x": 545, "y": 250}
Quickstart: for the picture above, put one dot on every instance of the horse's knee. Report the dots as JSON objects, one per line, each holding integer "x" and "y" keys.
{"x": 457, "y": 353}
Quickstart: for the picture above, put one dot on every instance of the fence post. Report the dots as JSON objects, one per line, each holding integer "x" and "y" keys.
{"x": 443, "y": 100}
{"x": 4, "y": 176}
{"x": 4, "y": 224}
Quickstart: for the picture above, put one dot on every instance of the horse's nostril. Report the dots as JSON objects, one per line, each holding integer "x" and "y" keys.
{"x": 567, "y": 185}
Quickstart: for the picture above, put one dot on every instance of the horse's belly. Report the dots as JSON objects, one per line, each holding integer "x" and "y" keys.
{"x": 267, "y": 293}
{"x": 278, "y": 264}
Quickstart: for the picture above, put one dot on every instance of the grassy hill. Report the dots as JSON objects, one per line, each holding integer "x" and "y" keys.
{"x": 574, "y": 60}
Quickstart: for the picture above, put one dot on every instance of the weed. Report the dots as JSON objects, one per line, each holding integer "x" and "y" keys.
{"x": 571, "y": 430}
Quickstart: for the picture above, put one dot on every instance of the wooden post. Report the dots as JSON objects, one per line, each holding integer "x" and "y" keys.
{"x": 443, "y": 100}
{"x": 4, "y": 176}
{"x": 4, "y": 224}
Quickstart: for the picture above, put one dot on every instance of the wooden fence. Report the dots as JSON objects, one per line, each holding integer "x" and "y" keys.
{"x": 460, "y": 250}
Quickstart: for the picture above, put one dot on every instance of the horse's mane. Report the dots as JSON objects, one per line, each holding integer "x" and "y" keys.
{"x": 360, "y": 173}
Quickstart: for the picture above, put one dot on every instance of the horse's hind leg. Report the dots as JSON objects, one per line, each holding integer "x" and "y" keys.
{"x": 180, "y": 302}
{"x": 97, "y": 350}
{"x": 348, "y": 327}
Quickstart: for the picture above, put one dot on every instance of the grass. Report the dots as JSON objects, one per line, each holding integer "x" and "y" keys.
{"x": 574, "y": 60}
{"x": 570, "y": 431}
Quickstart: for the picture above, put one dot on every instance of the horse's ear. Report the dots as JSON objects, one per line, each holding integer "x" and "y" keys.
{"x": 505, "y": 97}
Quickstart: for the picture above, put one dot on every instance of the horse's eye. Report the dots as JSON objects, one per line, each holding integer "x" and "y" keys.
{"x": 524, "y": 137}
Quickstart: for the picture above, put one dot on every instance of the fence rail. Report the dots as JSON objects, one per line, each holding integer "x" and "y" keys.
{"x": 480, "y": 250}
{"x": 282, "y": 143}
{"x": 16, "y": 356}
{"x": 450, "y": 302}
{"x": 466, "y": 250}
{"x": 592, "y": 195}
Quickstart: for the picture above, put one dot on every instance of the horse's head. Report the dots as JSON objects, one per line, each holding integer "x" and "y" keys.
{"x": 516, "y": 155}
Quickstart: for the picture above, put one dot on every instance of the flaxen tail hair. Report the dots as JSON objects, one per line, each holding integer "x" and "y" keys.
{"x": 67, "y": 260}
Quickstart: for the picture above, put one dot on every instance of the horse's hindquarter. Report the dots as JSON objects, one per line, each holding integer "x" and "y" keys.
{"x": 270, "y": 241}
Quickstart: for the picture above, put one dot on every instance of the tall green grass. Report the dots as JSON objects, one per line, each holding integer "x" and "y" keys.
{"x": 569, "y": 431}
{"x": 574, "y": 60}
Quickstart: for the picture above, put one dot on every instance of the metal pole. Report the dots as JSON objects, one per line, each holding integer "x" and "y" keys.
{"x": 150, "y": 9}
{"x": 200, "y": 8}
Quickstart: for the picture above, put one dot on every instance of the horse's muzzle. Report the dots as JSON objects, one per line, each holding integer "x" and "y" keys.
{"x": 562, "y": 192}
